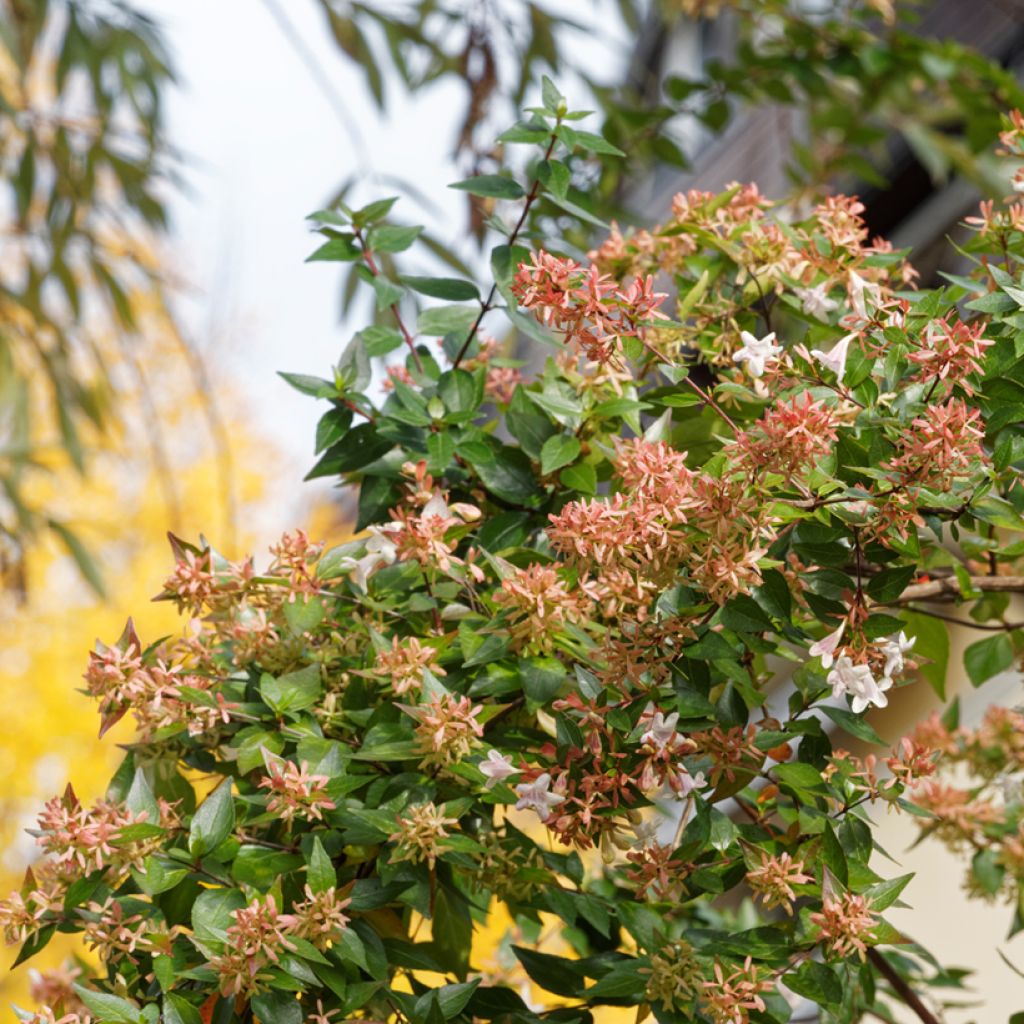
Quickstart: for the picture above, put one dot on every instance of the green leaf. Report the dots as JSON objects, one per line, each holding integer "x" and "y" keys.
{"x": 450, "y": 288}
{"x": 440, "y": 449}
{"x": 555, "y": 974}
{"x": 890, "y": 583}
{"x": 803, "y": 779}
{"x": 360, "y": 446}
{"x": 342, "y": 249}
{"x": 577, "y": 211}
{"x": 855, "y": 725}
{"x": 373, "y": 212}
{"x": 178, "y": 1010}
{"x": 553, "y": 100}
{"x": 451, "y": 999}
{"x": 331, "y": 428}
{"x": 773, "y": 595}
{"x": 34, "y": 943}
{"x": 528, "y": 426}
{"x": 212, "y": 913}
{"x": 884, "y": 894}
{"x": 260, "y": 867}
{"x": 555, "y": 176}
{"x": 508, "y": 475}
{"x": 624, "y": 981}
{"x": 462, "y": 394}
{"x": 558, "y": 451}
{"x": 833, "y": 856}
{"x": 542, "y": 678}
{"x": 987, "y": 658}
{"x": 391, "y": 238}
{"x": 531, "y": 133}
{"x": 744, "y": 615}
{"x": 213, "y": 821}
{"x": 443, "y": 320}
{"x": 877, "y": 626}
{"x": 316, "y": 387}
{"x": 141, "y": 799}
{"x": 304, "y": 614}
{"x": 105, "y": 1007}
{"x": 320, "y": 873}
{"x": 816, "y": 982}
{"x": 493, "y": 186}
{"x": 581, "y": 477}
{"x": 291, "y": 692}
{"x": 452, "y": 931}
{"x": 277, "y": 1007}
{"x": 931, "y": 642}
{"x": 573, "y": 137}
{"x": 353, "y": 370}
{"x": 379, "y": 340}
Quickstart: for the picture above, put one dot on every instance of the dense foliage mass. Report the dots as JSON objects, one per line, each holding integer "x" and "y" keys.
{"x": 597, "y": 653}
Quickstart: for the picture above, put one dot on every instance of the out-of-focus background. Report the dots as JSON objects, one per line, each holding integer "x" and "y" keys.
{"x": 157, "y": 161}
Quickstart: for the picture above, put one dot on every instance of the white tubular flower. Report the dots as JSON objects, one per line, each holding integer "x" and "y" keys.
{"x": 835, "y": 359}
{"x": 859, "y": 291}
{"x": 894, "y": 648}
{"x": 661, "y": 730}
{"x": 497, "y": 767}
{"x": 684, "y": 783}
{"x": 856, "y": 681}
{"x": 380, "y": 551}
{"x": 437, "y": 506}
{"x": 757, "y": 352}
{"x": 816, "y": 302}
{"x": 537, "y": 796}
{"x": 646, "y": 833}
{"x": 825, "y": 648}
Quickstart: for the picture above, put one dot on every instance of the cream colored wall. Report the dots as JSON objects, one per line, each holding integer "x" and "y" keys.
{"x": 959, "y": 931}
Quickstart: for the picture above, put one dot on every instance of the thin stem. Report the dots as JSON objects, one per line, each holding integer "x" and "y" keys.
{"x": 902, "y": 989}
{"x": 1003, "y": 627}
{"x": 705, "y": 395}
{"x": 949, "y": 587}
{"x": 488, "y": 304}
{"x": 371, "y": 263}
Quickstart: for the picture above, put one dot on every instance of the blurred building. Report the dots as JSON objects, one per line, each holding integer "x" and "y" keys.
{"x": 911, "y": 210}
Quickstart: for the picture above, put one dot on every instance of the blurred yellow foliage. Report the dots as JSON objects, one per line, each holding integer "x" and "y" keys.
{"x": 121, "y": 512}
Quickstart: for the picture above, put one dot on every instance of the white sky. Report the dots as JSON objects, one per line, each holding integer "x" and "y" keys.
{"x": 264, "y": 149}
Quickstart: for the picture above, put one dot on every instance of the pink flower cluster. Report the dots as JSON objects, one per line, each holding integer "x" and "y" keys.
{"x": 294, "y": 793}
{"x": 590, "y": 309}
{"x": 260, "y": 935}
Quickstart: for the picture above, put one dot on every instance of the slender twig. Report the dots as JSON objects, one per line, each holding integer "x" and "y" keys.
{"x": 949, "y": 587}
{"x": 371, "y": 264}
{"x": 1002, "y": 627}
{"x": 902, "y": 989}
{"x": 704, "y": 395}
{"x": 488, "y": 304}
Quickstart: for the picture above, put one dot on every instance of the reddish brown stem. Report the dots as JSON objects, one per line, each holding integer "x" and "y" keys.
{"x": 902, "y": 989}
{"x": 371, "y": 264}
{"x": 488, "y": 304}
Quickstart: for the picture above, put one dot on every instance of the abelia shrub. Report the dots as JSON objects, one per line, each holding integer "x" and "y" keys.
{"x": 617, "y": 616}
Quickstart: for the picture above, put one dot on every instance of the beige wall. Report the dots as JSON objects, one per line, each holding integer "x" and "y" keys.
{"x": 960, "y": 932}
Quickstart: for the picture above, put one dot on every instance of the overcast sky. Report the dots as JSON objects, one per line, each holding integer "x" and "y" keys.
{"x": 263, "y": 149}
